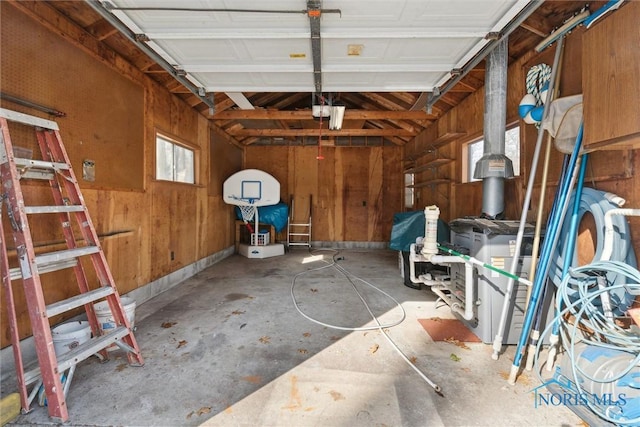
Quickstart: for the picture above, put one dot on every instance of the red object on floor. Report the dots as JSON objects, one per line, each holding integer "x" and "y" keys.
{"x": 447, "y": 329}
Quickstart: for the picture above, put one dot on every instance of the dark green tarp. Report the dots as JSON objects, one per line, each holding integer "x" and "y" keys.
{"x": 407, "y": 226}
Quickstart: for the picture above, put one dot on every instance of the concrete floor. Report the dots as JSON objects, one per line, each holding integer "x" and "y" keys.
{"x": 228, "y": 348}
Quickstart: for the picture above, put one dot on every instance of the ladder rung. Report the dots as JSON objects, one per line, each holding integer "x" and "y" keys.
{"x": 66, "y": 254}
{"x": 299, "y": 244}
{"x": 53, "y": 209}
{"x": 81, "y": 352}
{"x": 26, "y": 119}
{"x": 41, "y": 164}
{"x": 299, "y": 234}
{"x": 16, "y": 274}
{"x": 37, "y": 174}
{"x": 78, "y": 300}
{"x": 300, "y": 225}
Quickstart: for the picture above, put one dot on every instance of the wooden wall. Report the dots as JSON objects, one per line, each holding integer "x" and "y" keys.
{"x": 355, "y": 190}
{"x": 148, "y": 228}
{"x": 608, "y": 169}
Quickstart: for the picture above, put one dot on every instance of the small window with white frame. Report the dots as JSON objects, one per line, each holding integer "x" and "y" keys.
{"x": 473, "y": 151}
{"x": 409, "y": 191}
{"x": 174, "y": 162}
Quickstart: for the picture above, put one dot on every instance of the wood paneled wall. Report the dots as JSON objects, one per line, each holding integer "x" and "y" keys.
{"x": 355, "y": 191}
{"x": 148, "y": 228}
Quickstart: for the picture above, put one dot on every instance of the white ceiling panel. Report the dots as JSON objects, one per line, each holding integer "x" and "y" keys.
{"x": 373, "y": 45}
{"x": 252, "y": 82}
{"x": 199, "y": 52}
{"x": 400, "y": 81}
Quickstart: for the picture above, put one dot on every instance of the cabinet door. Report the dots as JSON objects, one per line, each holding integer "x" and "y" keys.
{"x": 611, "y": 80}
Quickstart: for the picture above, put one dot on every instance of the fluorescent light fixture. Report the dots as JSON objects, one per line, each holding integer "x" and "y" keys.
{"x": 320, "y": 111}
{"x": 337, "y": 115}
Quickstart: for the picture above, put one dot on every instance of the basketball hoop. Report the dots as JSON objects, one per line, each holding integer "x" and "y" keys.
{"x": 248, "y": 212}
{"x": 250, "y": 190}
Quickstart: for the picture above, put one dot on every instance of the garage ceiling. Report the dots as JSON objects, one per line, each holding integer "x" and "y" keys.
{"x": 263, "y": 65}
{"x": 365, "y": 46}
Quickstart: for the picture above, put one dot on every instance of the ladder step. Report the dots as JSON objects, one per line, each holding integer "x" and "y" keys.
{"x": 53, "y": 209}
{"x": 299, "y": 244}
{"x": 16, "y": 274}
{"x": 38, "y": 169}
{"x": 78, "y": 300}
{"x": 300, "y": 225}
{"x": 41, "y": 164}
{"x": 299, "y": 234}
{"x": 66, "y": 254}
{"x": 82, "y": 352}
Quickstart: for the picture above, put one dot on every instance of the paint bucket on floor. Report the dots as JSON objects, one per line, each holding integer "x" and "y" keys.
{"x": 106, "y": 321}
{"x": 70, "y": 335}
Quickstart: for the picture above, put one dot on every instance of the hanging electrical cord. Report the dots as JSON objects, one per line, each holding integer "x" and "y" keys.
{"x": 378, "y": 326}
{"x": 588, "y": 334}
{"x": 320, "y": 156}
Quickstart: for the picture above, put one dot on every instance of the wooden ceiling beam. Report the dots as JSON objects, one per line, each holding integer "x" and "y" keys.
{"x": 423, "y": 122}
{"x": 463, "y": 87}
{"x": 316, "y": 132}
{"x": 258, "y": 100}
{"x": 228, "y": 137}
{"x": 538, "y": 24}
{"x": 102, "y": 30}
{"x": 408, "y": 98}
{"x": 395, "y": 140}
{"x": 263, "y": 114}
{"x": 383, "y": 100}
{"x": 291, "y": 99}
{"x": 222, "y": 102}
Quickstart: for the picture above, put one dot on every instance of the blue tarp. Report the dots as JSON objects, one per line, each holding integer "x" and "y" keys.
{"x": 275, "y": 215}
{"x": 407, "y": 226}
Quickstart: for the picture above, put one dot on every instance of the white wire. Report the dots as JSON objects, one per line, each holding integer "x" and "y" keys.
{"x": 348, "y": 275}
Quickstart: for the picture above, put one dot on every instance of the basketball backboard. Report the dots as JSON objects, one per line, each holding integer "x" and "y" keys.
{"x": 251, "y": 186}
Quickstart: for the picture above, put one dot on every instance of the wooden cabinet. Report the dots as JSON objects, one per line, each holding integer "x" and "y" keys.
{"x": 611, "y": 80}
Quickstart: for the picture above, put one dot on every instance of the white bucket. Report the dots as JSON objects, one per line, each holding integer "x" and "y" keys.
{"x": 105, "y": 318}
{"x": 68, "y": 336}
{"x": 107, "y": 323}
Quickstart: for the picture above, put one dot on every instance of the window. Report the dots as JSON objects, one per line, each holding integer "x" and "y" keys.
{"x": 475, "y": 150}
{"x": 174, "y": 162}
{"x": 409, "y": 191}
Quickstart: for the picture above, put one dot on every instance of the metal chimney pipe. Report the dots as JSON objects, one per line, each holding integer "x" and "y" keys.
{"x": 494, "y": 166}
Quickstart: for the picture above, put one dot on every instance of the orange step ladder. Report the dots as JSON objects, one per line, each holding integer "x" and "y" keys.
{"x": 55, "y": 168}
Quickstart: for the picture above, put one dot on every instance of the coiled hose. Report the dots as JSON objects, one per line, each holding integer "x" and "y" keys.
{"x": 584, "y": 326}
{"x": 595, "y": 202}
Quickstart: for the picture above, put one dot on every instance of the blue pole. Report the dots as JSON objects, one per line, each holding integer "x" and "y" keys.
{"x": 568, "y": 259}
{"x": 573, "y": 227}
{"x": 535, "y": 334}
{"x": 543, "y": 265}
